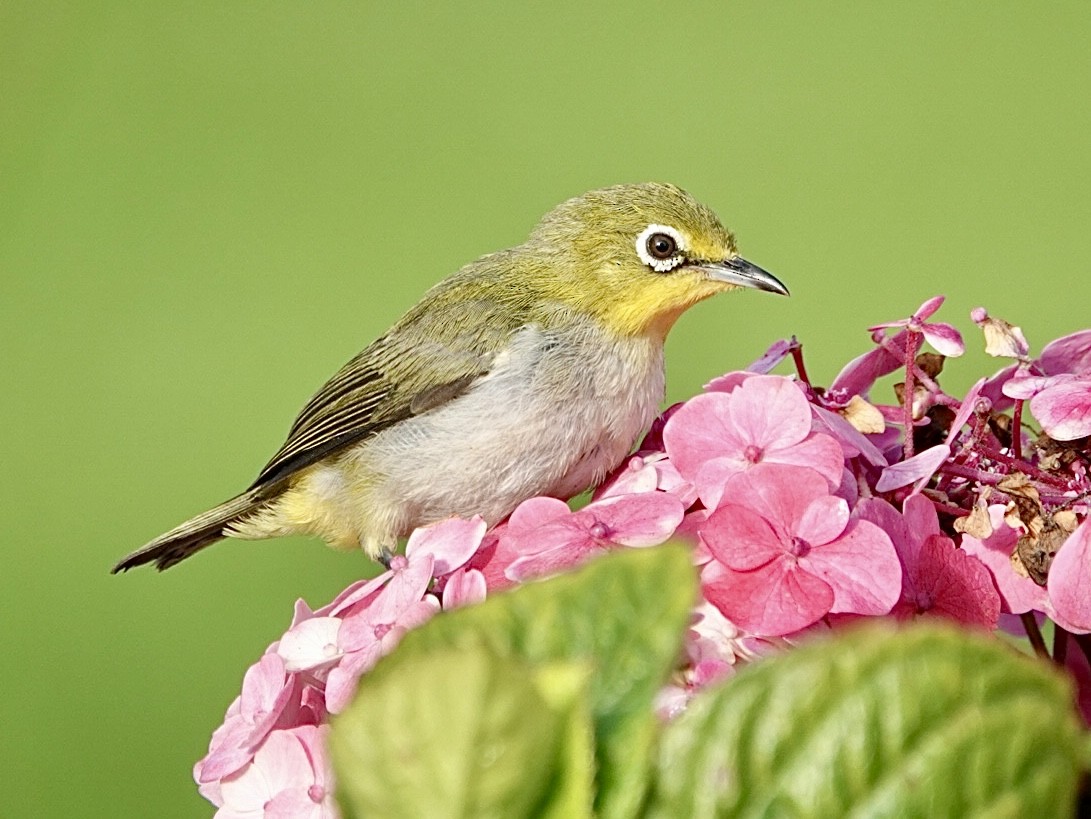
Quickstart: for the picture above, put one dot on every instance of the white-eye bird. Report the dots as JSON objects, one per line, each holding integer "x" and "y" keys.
{"x": 531, "y": 371}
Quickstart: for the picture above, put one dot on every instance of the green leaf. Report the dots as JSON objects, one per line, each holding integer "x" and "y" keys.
{"x": 928, "y": 721}
{"x": 460, "y": 734}
{"x": 621, "y": 618}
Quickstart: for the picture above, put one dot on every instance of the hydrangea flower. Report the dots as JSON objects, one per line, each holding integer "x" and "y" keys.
{"x": 762, "y": 420}
{"x": 787, "y": 554}
{"x": 807, "y": 509}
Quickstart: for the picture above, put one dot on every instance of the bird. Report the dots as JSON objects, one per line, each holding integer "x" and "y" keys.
{"x": 530, "y": 371}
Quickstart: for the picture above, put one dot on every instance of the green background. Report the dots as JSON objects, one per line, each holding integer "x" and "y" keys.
{"x": 206, "y": 208}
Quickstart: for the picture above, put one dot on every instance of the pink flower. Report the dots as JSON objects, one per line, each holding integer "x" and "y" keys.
{"x": 289, "y": 778}
{"x": 545, "y": 536}
{"x": 921, "y": 467}
{"x": 463, "y": 588}
{"x": 371, "y": 631}
{"x": 937, "y": 577}
{"x": 647, "y": 472}
{"x": 1068, "y": 354}
{"x": 450, "y": 542}
{"x": 1061, "y": 403}
{"x": 764, "y": 420}
{"x": 1018, "y": 594}
{"x": 943, "y": 337}
{"x": 859, "y": 375}
{"x": 1063, "y": 408}
{"x": 787, "y": 553}
{"x": 269, "y": 696}
{"x": 1069, "y": 582}
{"x": 777, "y": 352}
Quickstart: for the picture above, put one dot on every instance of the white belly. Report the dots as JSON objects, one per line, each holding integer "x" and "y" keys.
{"x": 550, "y": 419}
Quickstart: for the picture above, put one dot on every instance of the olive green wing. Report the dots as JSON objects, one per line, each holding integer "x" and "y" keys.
{"x": 432, "y": 356}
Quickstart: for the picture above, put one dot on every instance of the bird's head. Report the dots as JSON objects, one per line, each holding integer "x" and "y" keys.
{"x": 637, "y": 256}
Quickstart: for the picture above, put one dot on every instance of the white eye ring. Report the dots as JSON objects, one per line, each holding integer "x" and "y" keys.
{"x": 660, "y": 265}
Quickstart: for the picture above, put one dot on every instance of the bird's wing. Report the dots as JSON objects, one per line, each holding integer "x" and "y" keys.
{"x": 418, "y": 366}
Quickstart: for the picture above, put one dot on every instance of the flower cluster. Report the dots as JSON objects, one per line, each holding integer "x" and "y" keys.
{"x": 808, "y": 507}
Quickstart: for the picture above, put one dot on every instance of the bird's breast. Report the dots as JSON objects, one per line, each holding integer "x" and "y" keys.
{"x": 555, "y": 414}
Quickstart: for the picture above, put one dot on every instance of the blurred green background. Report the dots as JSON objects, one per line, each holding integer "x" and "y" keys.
{"x": 206, "y": 208}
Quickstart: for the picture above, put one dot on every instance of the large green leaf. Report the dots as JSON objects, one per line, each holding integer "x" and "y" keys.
{"x": 928, "y": 721}
{"x": 464, "y": 734}
{"x": 621, "y": 618}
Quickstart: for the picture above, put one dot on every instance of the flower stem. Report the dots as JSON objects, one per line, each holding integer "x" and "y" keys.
{"x": 1017, "y": 431}
{"x": 1018, "y": 463}
{"x": 797, "y": 357}
{"x": 910, "y": 388}
{"x": 1034, "y": 634}
{"x": 1060, "y": 644}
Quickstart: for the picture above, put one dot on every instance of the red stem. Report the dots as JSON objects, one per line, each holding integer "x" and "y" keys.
{"x": 1017, "y": 431}
{"x": 1060, "y": 644}
{"x": 1034, "y": 634}
{"x": 797, "y": 357}
{"x": 909, "y": 389}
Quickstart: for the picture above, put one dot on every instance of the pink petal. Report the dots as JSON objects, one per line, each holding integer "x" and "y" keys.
{"x": 823, "y": 520}
{"x": 887, "y": 518}
{"x": 1027, "y": 386}
{"x": 1018, "y": 594}
{"x": 861, "y": 567}
{"x": 965, "y": 410}
{"x": 921, "y": 517}
{"x": 465, "y": 587}
{"x": 727, "y": 382}
{"x": 818, "y": 452}
{"x": 853, "y": 442}
{"x": 945, "y": 339}
{"x": 858, "y": 376}
{"x": 780, "y": 494}
{"x": 450, "y": 542}
{"x": 312, "y": 644}
{"x": 636, "y": 475}
{"x": 778, "y": 598}
{"x": 636, "y": 520}
{"x": 359, "y": 591}
{"x": 294, "y": 804}
{"x": 551, "y": 561}
{"x": 262, "y": 685}
{"x": 280, "y": 764}
{"x": 953, "y": 583}
{"x": 993, "y": 388}
{"x": 531, "y": 514}
{"x": 711, "y": 479}
{"x": 1069, "y": 354}
{"x": 230, "y": 750}
{"x": 405, "y": 588}
{"x": 563, "y": 533}
{"x": 920, "y": 467}
{"x": 700, "y": 431}
{"x": 777, "y": 352}
{"x": 1069, "y": 582}
{"x": 670, "y": 480}
{"x": 769, "y": 412}
{"x": 341, "y": 683}
{"x": 741, "y": 538}
{"x": 929, "y": 307}
{"x": 1064, "y": 410}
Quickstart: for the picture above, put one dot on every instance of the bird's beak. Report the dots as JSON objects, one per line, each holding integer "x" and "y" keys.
{"x": 742, "y": 273}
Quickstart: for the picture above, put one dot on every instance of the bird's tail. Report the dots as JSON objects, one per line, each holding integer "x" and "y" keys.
{"x": 193, "y": 535}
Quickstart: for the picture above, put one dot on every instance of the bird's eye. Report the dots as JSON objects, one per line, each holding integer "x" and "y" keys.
{"x": 661, "y": 248}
